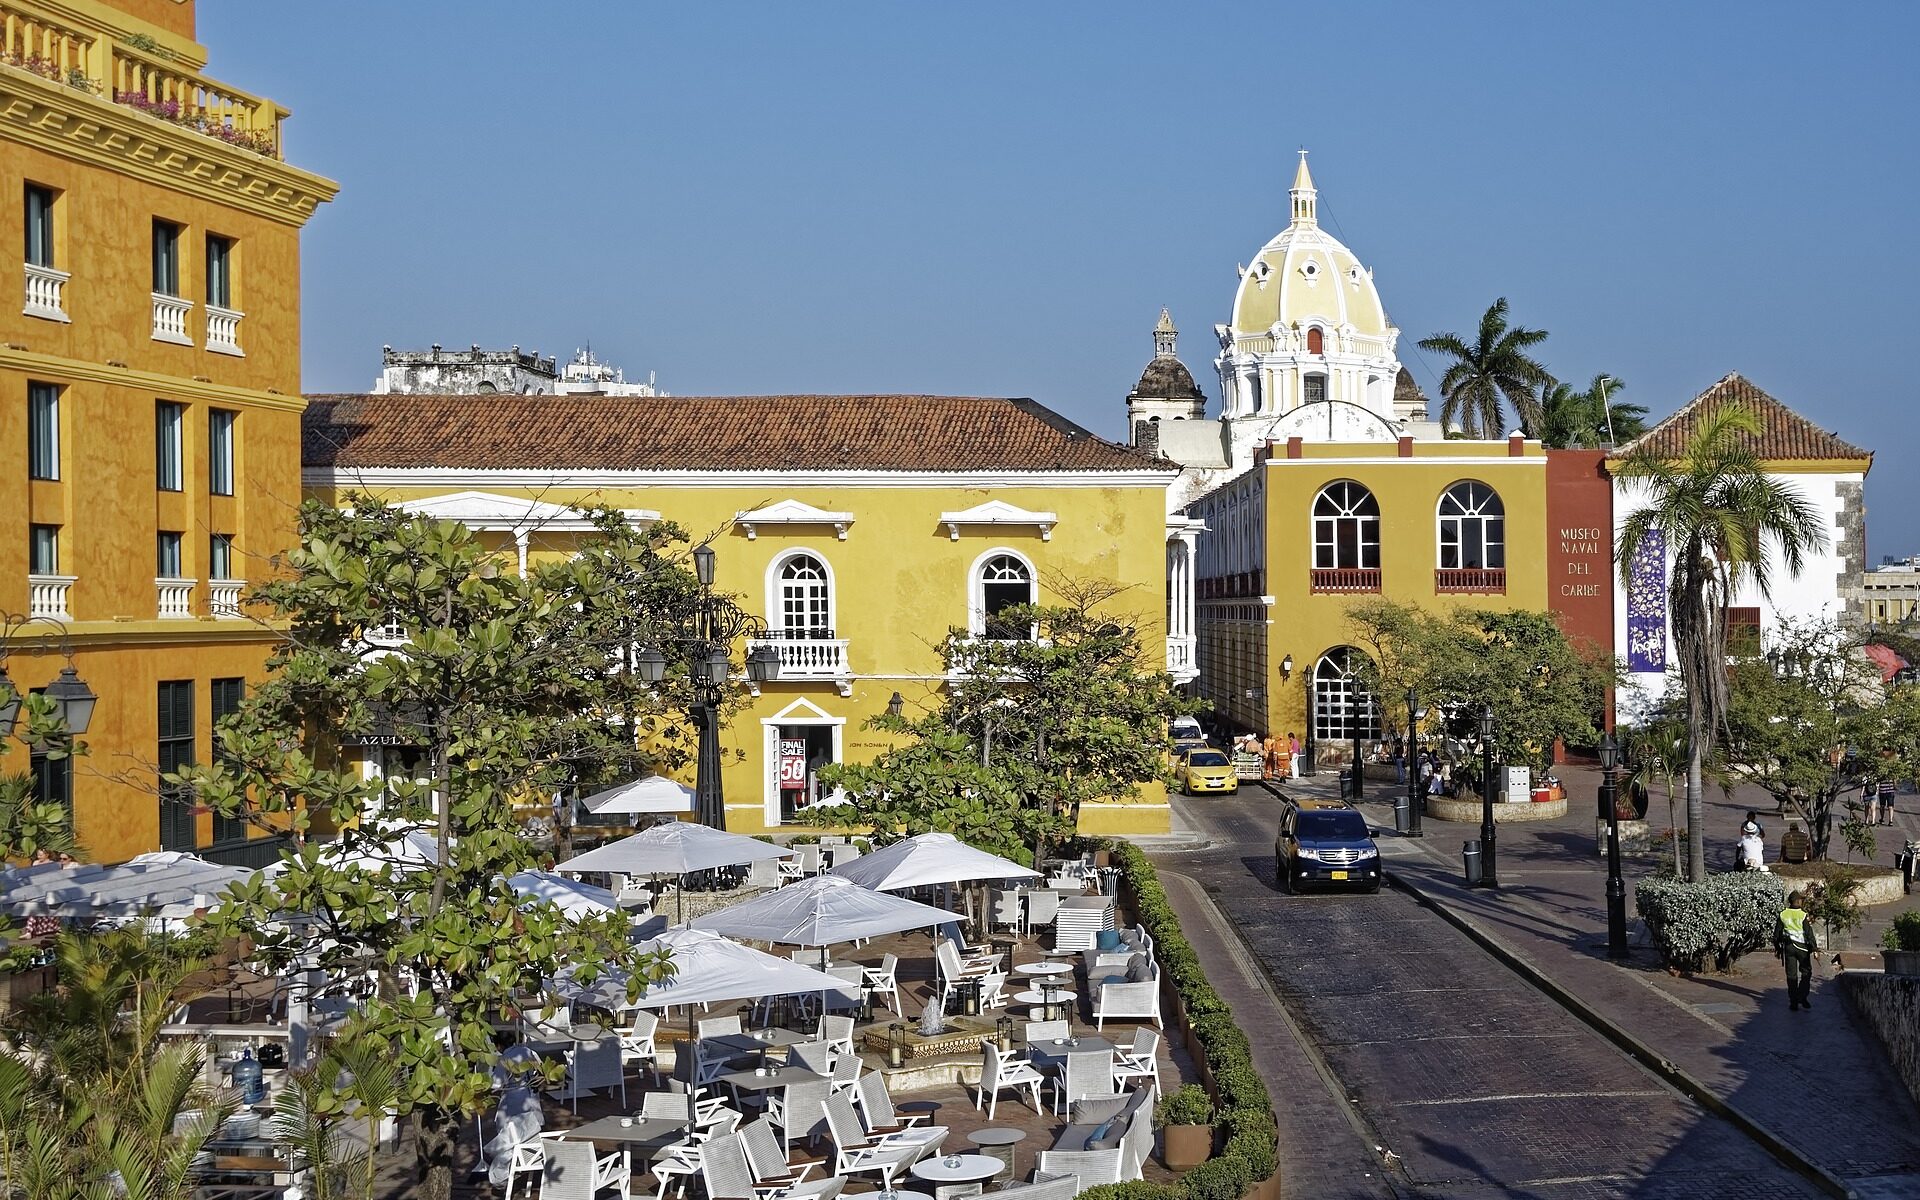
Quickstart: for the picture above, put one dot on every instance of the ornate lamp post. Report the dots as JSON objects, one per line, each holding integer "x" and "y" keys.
{"x": 1616, "y": 886}
{"x": 716, "y": 621}
{"x": 1415, "y": 801}
{"x": 1359, "y": 789}
{"x": 1489, "y": 876}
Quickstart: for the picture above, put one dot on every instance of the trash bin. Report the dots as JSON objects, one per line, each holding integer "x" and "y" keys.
{"x": 1470, "y": 852}
{"x": 1402, "y": 810}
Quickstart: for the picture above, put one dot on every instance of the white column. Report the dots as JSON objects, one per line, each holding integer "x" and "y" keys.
{"x": 520, "y": 545}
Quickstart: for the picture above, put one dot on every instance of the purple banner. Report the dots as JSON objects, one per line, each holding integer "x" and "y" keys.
{"x": 1647, "y": 606}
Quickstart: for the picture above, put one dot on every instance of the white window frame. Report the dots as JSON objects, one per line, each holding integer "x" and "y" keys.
{"x": 1458, "y": 521}
{"x": 977, "y": 587}
{"x": 220, "y": 450}
{"x": 170, "y": 447}
{"x": 1349, "y": 512}
{"x": 777, "y": 593}
{"x": 800, "y": 712}
{"x": 1358, "y": 706}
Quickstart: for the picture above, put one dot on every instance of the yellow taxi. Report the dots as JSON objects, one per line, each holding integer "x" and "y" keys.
{"x": 1206, "y": 770}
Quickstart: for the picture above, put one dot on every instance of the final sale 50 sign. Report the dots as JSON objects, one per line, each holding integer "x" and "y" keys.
{"x": 793, "y": 764}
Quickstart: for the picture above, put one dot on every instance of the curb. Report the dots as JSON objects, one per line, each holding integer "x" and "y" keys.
{"x": 1641, "y": 1052}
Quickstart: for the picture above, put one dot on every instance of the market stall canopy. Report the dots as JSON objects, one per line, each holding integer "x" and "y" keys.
{"x": 168, "y": 879}
{"x": 673, "y": 848}
{"x": 820, "y": 912}
{"x": 654, "y": 794}
{"x": 573, "y": 898}
{"x": 709, "y": 969}
{"x": 929, "y": 858}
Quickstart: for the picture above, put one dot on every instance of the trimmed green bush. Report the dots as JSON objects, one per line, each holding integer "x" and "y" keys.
{"x": 1242, "y": 1108}
{"x": 1187, "y": 1104}
{"x": 1904, "y": 933}
{"x": 1712, "y": 923}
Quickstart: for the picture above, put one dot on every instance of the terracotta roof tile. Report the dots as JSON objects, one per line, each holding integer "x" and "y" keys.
{"x": 714, "y": 433}
{"x": 1784, "y": 434}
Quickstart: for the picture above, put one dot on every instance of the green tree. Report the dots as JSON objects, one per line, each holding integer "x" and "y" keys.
{"x": 1720, "y": 514}
{"x": 1655, "y": 751}
{"x": 507, "y": 687}
{"x": 92, "y": 1102}
{"x": 1571, "y": 419}
{"x": 1541, "y": 687}
{"x": 1489, "y": 373}
{"x": 1028, "y": 729}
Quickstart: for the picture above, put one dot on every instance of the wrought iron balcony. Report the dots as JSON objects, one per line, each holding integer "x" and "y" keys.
{"x": 1346, "y": 579}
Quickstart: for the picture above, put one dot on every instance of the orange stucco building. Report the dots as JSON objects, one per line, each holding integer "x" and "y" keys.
{"x": 149, "y": 393}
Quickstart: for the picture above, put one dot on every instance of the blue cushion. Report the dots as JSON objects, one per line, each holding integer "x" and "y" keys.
{"x": 1107, "y": 940}
{"x": 1103, "y": 1136}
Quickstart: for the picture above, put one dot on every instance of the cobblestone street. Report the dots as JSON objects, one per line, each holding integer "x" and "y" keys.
{"x": 1415, "y": 1043}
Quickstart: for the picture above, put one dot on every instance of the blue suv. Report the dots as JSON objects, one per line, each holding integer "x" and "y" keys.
{"x": 1323, "y": 843}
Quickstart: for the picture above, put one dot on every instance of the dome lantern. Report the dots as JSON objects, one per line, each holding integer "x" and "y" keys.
{"x": 1305, "y": 199}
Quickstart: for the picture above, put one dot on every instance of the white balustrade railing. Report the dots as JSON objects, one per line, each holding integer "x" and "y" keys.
{"x": 223, "y": 596}
{"x": 170, "y": 319}
{"x": 47, "y": 597}
{"x": 176, "y": 597}
{"x": 808, "y": 658}
{"x": 223, "y": 330}
{"x": 1179, "y": 655}
{"x": 46, "y": 293}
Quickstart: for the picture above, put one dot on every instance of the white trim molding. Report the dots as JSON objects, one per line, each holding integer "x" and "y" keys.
{"x": 792, "y": 512}
{"x": 999, "y": 512}
{"x": 596, "y": 477}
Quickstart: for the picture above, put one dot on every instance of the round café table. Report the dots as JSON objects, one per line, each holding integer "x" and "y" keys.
{"x": 1045, "y": 970}
{"x": 957, "y": 1174}
{"x": 999, "y": 1137}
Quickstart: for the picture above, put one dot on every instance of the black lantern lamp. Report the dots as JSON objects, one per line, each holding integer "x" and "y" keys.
{"x": 865, "y": 1012}
{"x": 650, "y": 664}
{"x": 1616, "y": 886}
{"x": 73, "y": 700}
{"x": 1489, "y": 875}
{"x": 897, "y": 1045}
{"x": 9, "y": 703}
{"x": 1003, "y": 1031}
{"x": 763, "y": 664}
{"x": 703, "y": 564}
{"x": 715, "y": 665}
{"x": 897, "y": 706}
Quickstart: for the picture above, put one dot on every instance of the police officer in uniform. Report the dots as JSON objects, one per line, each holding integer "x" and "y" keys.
{"x": 1793, "y": 941}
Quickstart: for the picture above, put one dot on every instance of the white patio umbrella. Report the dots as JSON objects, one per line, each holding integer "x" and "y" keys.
{"x": 410, "y": 851}
{"x": 820, "y": 912}
{"x": 709, "y": 969}
{"x": 676, "y": 848}
{"x": 929, "y": 858}
{"x": 654, "y": 794}
{"x": 121, "y": 892}
{"x": 573, "y": 898}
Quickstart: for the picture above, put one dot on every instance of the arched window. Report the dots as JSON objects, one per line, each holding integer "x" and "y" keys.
{"x": 804, "y": 599}
{"x": 1472, "y": 527}
{"x": 1343, "y": 708}
{"x": 1346, "y": 528}
{"x": 1001, "y": 581}
{"x": 1316, "y": 341}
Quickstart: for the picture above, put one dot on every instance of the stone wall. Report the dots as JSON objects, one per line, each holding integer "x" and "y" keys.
{"x": 1850, "y": 546}
{"x": 1891, "y": 1006}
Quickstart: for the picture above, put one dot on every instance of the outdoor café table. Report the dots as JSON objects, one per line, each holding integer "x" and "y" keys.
{"x": 1043, "y": 969}
{"x": 1046, "y": 1056}
{"x": 777, "y": 1077}
{"x": 1047, "y": 998}
{"x": 999, "y": 1137}
{"x": 643, "y": 1139}
{"x": 957, "y": 1174}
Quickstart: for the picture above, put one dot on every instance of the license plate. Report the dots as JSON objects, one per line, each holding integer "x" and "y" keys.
{"x": 1339, "y": 874}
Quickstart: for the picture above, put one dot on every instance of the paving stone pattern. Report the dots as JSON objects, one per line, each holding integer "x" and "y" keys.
{"x": 1480, "y": 1084}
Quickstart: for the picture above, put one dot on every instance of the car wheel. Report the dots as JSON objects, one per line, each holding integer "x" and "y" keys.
{"x": 1284, "y": 870}
{"x": 1374, "y": 888}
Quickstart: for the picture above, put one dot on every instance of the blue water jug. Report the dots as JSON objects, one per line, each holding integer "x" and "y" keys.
{"x": 246, "y": 1077}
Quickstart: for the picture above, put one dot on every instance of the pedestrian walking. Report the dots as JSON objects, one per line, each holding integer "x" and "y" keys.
{"x": 1794, "y": 942}
{"x": 1887, "y": 791}
{"x": 1293, "y": 756}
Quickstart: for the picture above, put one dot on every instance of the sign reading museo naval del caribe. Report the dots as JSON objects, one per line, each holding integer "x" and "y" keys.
{"x": 1647, "y": 605}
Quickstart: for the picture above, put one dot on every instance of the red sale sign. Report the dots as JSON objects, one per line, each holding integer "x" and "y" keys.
{"x": 793, "y": 764}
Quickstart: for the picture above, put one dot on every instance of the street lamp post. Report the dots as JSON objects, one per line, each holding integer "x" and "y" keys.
{"x": 1358, "y": 788}
{"x": 1489, "y": 874}
{"x": 1616, "y": 886}
{"x": 1415, "y": 801}
{"x": 708, "y": 638}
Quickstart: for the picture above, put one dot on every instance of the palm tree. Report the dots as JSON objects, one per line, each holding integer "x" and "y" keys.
{"x": 1717, "y": 509}
{"x": 1491, "y": 372}
{"x": 1572, "y": 419}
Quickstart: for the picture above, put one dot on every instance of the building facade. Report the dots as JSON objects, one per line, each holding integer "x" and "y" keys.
{"x": 860, "y": 528}
{"x": 1890, "y": 593}
{"x": 478, "y": 372}
{"x": 152, "y": 393}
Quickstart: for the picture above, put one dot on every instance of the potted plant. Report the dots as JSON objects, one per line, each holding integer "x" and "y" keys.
{"x": 1902, "y": 942}
{"x": 1186, "y": 1123}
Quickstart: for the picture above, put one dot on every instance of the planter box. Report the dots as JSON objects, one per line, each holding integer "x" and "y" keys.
{"x": 1901, "y": 962}
{"x": 1636, "y": 837}
{"x": 1186, "y": 1146}
{"x": 1468, "y": 811}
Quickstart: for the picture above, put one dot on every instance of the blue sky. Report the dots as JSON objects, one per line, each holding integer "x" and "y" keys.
{"x": 998, "y": 198}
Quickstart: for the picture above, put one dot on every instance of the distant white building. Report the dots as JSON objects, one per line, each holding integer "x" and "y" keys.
{"x": 478, "y": 372}
{"x": 1828, "y": 472}
{"x": 1890, "y": 592}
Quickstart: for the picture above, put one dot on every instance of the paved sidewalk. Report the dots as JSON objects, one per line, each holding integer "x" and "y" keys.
{"x": 1818, "y": 1081}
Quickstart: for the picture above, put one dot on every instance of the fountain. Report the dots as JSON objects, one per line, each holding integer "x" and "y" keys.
{"x": 932, "y": 1022}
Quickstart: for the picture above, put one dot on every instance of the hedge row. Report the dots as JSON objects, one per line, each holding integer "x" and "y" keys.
{"x": 1712, "y": 923}
{"x": 1243, "y": 1111}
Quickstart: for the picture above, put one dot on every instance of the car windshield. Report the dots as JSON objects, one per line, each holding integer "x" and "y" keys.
{"x": 1209, "y": 758}
{"x": 1341, "y": 823}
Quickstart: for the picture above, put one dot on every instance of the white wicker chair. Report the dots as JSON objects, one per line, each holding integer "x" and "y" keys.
{"x": 1090, "y": 1167}
{"x": 574, "y": 1171}
{"x": 855, "y": 1153}
{"x": 1141, "y": 1061}
{"x": 884, "y": 980}
{"x": 1086, "y": 1073}
{"x": 998, "y": 1072}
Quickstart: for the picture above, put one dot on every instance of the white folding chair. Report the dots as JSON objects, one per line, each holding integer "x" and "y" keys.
{"x": 997, "y": 1072}
{"x": 1086, "y": 1073}
{"x": 636, "y": 1041}
{"x": 837, "y": 1033}
{"x": 1140, "y": 1061}
{"x": 574, "y": 1171}
{"x": 594, "y": 1066}
{"x": 884, "y": 980}
{"x": 855, "y": 1153}
{"x": 876, "y": 1107}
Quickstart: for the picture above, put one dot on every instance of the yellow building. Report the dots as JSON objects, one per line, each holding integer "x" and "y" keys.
{"x": 1295, "y": 541}
{"x": 861, "y": 528}
{"x": 152, "y": 391}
